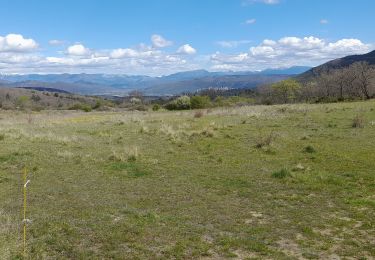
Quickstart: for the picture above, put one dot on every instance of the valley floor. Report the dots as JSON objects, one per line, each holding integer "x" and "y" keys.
{"x": 168, "y": 185}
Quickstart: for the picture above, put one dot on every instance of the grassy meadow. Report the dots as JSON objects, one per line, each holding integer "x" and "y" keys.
{"x": 253, "y": 182}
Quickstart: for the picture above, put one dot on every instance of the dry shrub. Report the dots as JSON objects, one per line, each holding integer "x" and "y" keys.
{"x": 266, "y": 140}
{"x": 358, "y": 122}
{"x": 198, "y": 114}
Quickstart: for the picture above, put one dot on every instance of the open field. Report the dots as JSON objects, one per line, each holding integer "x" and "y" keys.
{"x": 162, "y": 185}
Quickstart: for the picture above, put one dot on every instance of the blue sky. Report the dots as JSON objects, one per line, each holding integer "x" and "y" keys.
{"x": 158, "y": 37}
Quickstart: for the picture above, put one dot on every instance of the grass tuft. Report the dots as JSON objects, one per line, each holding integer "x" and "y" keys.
{"x": 309, "y": 149}
{"x": 283, "y": 173}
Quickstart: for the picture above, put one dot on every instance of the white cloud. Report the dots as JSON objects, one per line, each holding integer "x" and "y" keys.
{"x": 269, "y": 42}
{"x": 324, "y": 21}
{"x": 250, "y": 21}
{"x": 78, "y": 50}
{"x": 159, "y": 42}
{"x": 146, "y": 59}
{"x": 123, "y": 53}
{"x": 186, "y": 49}
{"x": 17, "y": 43}
{"x": 232, "y": 44}
{"x": 56, "y": 42}
{"x": 289, "y": 51}
{"x": 268, "y": 2}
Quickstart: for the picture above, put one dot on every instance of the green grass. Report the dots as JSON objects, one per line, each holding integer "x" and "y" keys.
{"x": 167, "y": 185}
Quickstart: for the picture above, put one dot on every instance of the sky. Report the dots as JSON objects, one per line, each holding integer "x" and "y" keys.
{"x": 159, "y": 37}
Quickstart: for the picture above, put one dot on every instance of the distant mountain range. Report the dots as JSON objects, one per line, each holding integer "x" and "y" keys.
{"x": 189, "y": 81}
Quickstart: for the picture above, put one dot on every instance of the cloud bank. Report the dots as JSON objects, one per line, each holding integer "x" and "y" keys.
{"x": 19, "y": 54}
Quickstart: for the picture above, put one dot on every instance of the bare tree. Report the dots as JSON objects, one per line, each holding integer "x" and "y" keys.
{"x": 326, "y": 84}
{"x": 364, "y": 74}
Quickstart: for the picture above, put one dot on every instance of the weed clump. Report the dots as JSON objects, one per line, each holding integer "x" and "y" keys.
{"x": 283, "y": 173}
{"x": 358, "y": 122}
{"x": 309, "y": 149}
{"x": 265, "y": 141}
{"x": 132, "y": 158}
{"x": 207, "y": 133}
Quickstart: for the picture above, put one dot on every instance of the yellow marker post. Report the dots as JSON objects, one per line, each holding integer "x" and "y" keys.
{"x": 24, "y": 209}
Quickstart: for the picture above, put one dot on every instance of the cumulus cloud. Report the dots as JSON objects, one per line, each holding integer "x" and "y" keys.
{"x": 289, "y": 51}
{"x": 77, "y": 50}
{"x": 122, "y": 53}
{"x": 17, "y": 43}
{"x": 323, "y": 21}
{"x": 25, "y": 57}
{"x": 159, "y": 41}
{"x": 142, "y": 59}
{"x": 186, "y": 49}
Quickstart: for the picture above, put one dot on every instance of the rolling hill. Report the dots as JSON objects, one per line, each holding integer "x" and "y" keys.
{"x": 337, "y": 64}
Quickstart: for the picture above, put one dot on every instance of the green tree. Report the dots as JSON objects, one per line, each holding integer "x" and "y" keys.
{"x": 22, "y": 101}
{"x": 286, "y": 90}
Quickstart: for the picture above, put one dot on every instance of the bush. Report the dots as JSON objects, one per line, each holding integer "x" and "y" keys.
{"x": 22, "y": 101}
{"x": 180, "y": 103}
{"x": 35, "y": 98}
{"x": 83, "y": 107}
{"x": 198, "y": 102}
{"x": 156, "y": 107}
{"x": 97, "y": 105}
{"x": 283, "y": 173}
{"x": 358, "y": 122}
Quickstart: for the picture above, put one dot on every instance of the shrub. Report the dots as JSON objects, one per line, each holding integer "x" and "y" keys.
{"x": 97, "y": 105}
{"x": 22, "y": 101}
{"x": 79, "y": 106}
{"x": 35, "y": 98}
{"x": 198, "y": 102}
{"x": 180, "y": 103}
{"x": 156, "y": 107}
{"x": 309, "y": 149}
{"x": 358, "y": 122}
{"x": 2, "y": 137}
{"x": 198, "y": 114}
{"x": 283, "y": 173}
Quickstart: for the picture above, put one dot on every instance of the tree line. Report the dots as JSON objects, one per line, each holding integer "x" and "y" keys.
{"x": 356, "y": 81}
